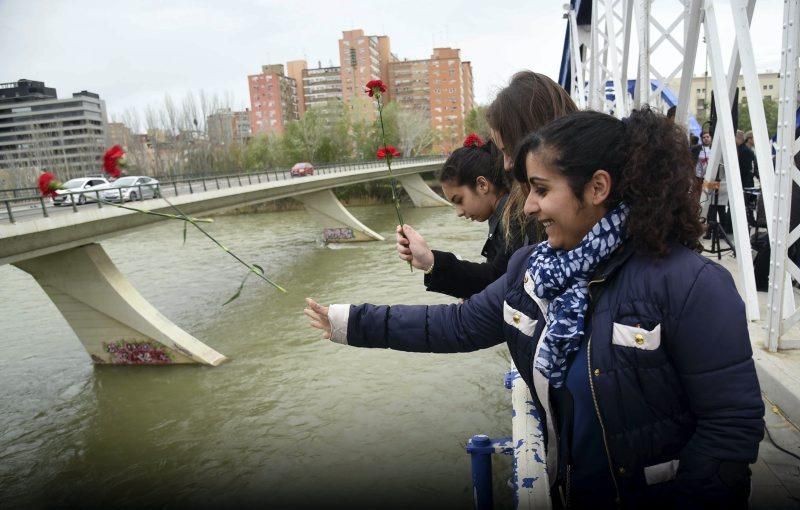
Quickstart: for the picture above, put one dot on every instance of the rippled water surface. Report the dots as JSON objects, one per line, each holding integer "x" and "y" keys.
{"x": 289, "y": 421}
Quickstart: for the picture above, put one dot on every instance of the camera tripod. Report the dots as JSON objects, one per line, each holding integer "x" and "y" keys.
{"x": 715, "y": 230}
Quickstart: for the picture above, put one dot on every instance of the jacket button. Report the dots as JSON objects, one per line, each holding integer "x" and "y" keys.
{"x": 515, "y": 318}
{"x": 639, "y": 339}
{"x": 596, "y": 372}
{"x": 525, "y": 280}
{"x": 622, "y": 470}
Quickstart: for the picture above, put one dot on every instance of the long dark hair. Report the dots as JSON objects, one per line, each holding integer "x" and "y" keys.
{"x": 649, "y": 162}
{"x": 466, "y": 164}
{"x": 530, "y": 101}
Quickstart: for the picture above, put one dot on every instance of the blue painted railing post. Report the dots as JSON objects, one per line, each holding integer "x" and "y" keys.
{"x": 480, "y": 449}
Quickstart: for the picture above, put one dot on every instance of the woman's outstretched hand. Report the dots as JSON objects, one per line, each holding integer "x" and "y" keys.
{"x": 412, "y": 247}
{"x": 318, "y": 316}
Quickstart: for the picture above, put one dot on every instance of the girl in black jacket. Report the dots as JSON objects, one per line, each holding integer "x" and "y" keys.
{"x": 473, "y": 181}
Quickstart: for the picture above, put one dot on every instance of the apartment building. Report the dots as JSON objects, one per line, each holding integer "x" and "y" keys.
{"x": 360, "y": 58}
{"x": 322, "y": 89}
{"x": 700, "y": 91}
{"x": 40, "y": 131}
{"x": 226, "y": 127}
{"x": 409, "y": 81}
{"x": 440, "y": 87}
{"x": 273, "y": 100}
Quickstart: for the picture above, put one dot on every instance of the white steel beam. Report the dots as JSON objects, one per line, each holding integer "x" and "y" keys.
{"x": 733, "y": 178}
{"x": 785, "y": 170}
{"x": 692, "y": 36}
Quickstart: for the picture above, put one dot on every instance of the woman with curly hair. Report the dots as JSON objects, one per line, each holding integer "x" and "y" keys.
{"x": 635, "y": 347}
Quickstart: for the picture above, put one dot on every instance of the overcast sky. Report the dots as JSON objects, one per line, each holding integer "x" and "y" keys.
{"x": 134, "y": 52}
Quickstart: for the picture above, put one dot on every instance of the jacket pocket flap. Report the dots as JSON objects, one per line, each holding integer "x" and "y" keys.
{"x": 518, "y": 320}
{"x": 661, "y": 473}
{"x": 639, "y": 338}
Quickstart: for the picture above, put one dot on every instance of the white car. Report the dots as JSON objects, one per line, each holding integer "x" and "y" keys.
{"x": 73, "y": 187}
{"x": 130, "y": 188}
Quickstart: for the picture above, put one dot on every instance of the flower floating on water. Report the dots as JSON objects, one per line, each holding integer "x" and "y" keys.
{"x": 114, "y": 161}
{"x": 388, "y": 151}
{"x": 48, "y": 184}
{"x": 137, "y": 353}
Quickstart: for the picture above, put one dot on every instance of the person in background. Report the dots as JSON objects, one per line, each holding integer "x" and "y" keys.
{"x": 635, "y": 347}
{"x": 746, "y": 158}
{"x": 750, "y": 142}
{"x": 472, "y": 179}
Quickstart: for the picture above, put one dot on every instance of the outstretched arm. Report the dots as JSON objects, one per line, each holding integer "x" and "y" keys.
{"x": 473, "y": 325}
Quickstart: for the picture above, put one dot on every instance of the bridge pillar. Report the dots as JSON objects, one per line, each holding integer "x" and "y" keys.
{"x": 113, "y": 321}
{"x": 339, "y": 225}
{"x": 420, "y": 193}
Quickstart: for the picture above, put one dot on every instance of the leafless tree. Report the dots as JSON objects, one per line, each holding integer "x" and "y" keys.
{"x": 416, "y": 134}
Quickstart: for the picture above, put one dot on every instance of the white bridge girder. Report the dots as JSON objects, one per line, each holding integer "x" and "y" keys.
{"x": 340, "y": 226}
{"x": 115, "y": 324}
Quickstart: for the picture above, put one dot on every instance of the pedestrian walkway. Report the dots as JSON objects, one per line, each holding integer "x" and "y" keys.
{"x": 776, "y": 475}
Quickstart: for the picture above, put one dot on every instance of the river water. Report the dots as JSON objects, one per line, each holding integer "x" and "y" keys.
{"x": 289, "y": 421}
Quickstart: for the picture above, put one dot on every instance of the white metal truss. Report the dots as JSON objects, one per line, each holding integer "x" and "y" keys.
{"x": 780, "y": 317}
{"x": 579, "y": 37}
{"x": 610, "y": 39}
{"x": 655, "y": 38}
{"x": 725, "y": 136}
{"x": 601, "y": 63}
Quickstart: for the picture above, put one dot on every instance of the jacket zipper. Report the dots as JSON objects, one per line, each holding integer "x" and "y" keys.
{"x": 569, "y": 477}
{"x": 597, "y": 407}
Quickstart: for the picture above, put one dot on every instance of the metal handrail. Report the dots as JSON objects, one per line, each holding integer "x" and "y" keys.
{"x": 212, "y": 182}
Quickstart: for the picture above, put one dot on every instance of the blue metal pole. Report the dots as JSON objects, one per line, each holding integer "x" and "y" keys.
{"x": 480, "y": 449}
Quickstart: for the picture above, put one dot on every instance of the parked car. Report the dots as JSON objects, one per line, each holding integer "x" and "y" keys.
{"x": 73, "y": 186}
{"x": 131, "y": 187}
{"x": 302, "y": 169}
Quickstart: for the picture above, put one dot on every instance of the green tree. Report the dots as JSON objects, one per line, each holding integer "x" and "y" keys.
{"x": 770, "y": 112}
{"x": 476, "y": 122}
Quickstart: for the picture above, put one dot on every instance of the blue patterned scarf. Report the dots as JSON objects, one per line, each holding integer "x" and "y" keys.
{"x": 562, "y": 277}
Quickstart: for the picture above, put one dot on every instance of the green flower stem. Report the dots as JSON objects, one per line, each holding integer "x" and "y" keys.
{"x": 153, "y": 213}
{"x": 395, "y": 199}
{"x": 250, "y": 267}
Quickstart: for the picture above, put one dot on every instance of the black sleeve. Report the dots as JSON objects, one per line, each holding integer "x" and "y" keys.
{"x": 461, "y": 278}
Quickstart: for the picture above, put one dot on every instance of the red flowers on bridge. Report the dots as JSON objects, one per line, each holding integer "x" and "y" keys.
{"x": 113, "y": 159}
{"x": 48, "y": 184}
{"x": 388, "y": 151}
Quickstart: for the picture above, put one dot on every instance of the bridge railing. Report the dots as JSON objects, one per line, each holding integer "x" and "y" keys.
{"x": 15, "y": 200}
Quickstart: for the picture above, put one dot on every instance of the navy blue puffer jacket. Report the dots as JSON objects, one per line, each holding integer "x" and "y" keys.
{"x": 670, "y": 365}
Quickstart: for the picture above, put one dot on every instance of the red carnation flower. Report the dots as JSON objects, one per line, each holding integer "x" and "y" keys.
{"x": 48, "y": 184}
{"x": 389, "y": 151}
{"x": 113, "y": 160}
{"x": 373, "y": 85}
{"x": 473, "y": 140}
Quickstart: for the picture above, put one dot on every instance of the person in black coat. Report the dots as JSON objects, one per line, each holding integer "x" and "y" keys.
{"x": 635, "y": 348}
{"x": 473, "y": 180}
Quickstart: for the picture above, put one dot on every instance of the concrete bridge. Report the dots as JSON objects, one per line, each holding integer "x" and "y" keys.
{"x": 113, "y": 321}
